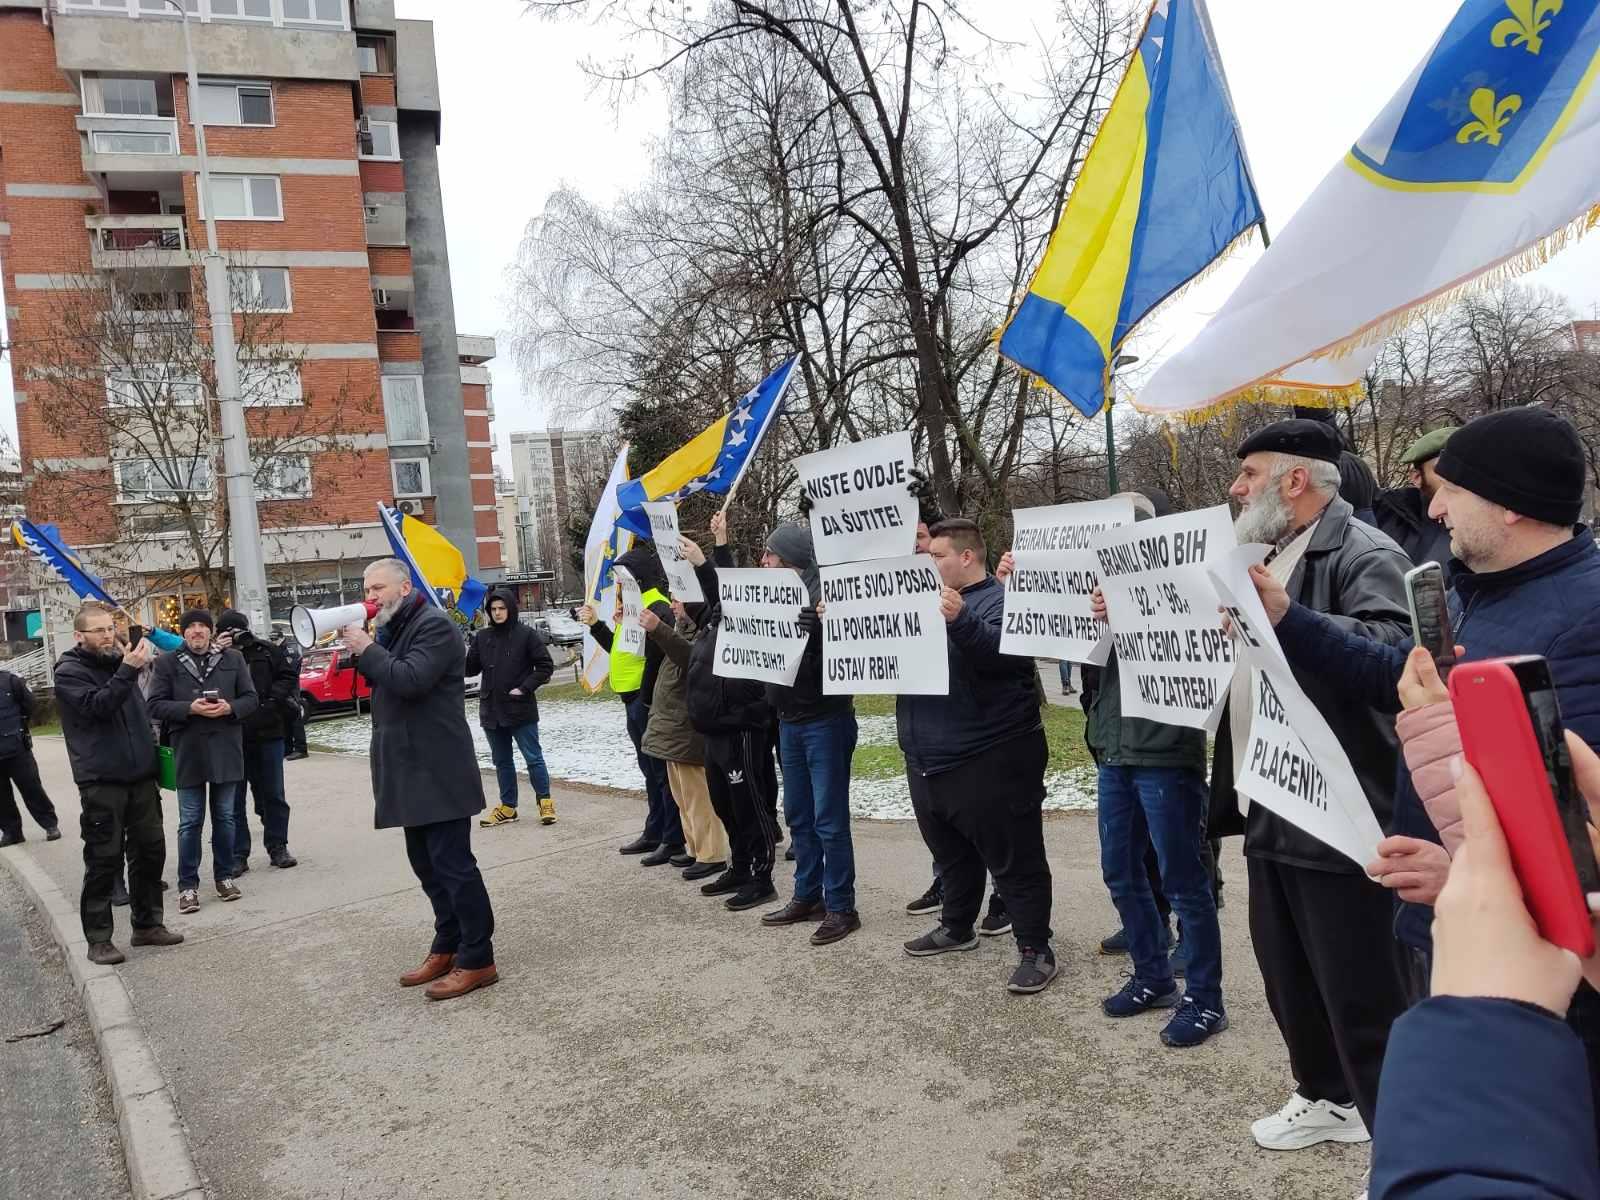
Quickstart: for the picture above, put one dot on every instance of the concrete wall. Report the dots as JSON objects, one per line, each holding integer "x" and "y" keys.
{"x": 436, "y": 324}
{"x": 416, "y": 69}
{"x": 375, "y": 15}
{"x": 91, "y": 43}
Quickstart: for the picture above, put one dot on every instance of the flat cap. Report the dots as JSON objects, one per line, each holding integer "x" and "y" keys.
{"x": 1308, "y": 439}
{"x": 1428, "y": 445}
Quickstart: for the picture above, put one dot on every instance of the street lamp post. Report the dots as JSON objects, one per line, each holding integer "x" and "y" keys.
{"x": 1121, "y": 360}
{"x": 244, "y": 525}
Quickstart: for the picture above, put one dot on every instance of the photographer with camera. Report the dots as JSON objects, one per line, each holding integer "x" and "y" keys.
{"x": 277, "y": 685}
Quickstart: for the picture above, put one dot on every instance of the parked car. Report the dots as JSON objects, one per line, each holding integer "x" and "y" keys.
{"x": 329, "y": 681}
{"x": 558, "y": 628}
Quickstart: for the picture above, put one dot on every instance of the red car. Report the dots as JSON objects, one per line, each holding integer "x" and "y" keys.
{"x": 329, "y": 681}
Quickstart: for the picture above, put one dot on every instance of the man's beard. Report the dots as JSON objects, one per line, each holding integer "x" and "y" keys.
{"x": 386, "y": 613}
{"x": 1266, "y": 519}
{"x": 111, "y": 653}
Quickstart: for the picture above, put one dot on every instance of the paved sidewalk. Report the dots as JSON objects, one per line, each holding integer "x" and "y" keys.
{"x": 644, "y": 1042}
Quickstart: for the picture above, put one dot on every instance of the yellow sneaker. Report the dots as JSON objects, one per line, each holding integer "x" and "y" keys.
{"x": 500, "y": 814}
{"x": 547, "y": 810}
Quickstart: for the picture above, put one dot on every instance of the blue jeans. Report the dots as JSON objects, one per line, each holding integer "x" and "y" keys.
{"x": 526, "y": 739}
{"x": 1164, "y": 807}
{"x": 192, "y": 818}
{"x": 263, "y": 772}
{"x": 815, "y": 756}
{"x": 662, "y": 822}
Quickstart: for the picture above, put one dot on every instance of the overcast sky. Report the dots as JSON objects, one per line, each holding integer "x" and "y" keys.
{"x": 520, "y": 120}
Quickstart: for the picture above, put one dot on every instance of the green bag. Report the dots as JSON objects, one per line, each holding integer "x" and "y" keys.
{"x": 166, "y": 769}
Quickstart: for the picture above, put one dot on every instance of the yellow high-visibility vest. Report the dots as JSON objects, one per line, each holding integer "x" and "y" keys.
{"x": 627, "y": 670}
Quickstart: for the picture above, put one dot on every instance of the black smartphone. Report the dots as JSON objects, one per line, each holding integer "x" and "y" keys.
{"x": 135, "y": 636}
{"x": 1544, "y": 712}
{"x": 1430, "y": 614}
{"x": 211, "y": 694}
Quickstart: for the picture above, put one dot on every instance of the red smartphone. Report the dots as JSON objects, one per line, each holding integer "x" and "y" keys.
{"x": 1512, "y": 735}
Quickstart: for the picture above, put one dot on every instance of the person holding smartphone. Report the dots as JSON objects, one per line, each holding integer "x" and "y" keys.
{"x": 201, "y": 694}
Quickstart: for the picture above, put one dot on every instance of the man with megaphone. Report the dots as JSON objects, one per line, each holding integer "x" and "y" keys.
{"x": 425, "y": 776}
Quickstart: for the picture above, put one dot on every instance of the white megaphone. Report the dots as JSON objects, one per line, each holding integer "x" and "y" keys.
{"x": 310, "y": 624}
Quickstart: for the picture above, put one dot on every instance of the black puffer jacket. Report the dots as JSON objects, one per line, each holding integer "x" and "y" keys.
{"x": 1402, "y": 513}
{"x": 509, "y": 657}
{"x": 277, "y": 686}
{"x": 718, "y": 705}
{"x": 104, "y": 720}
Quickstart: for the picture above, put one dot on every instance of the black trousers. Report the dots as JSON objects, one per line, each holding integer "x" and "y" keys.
{"x": 22, "y": 770}
{"x": 117, "y": 815}
{"x": 463, "y": 921}
{"x": 742, "y": 777}
{"x": 1325, "y": 945}
{"x": 986, "y": 817}
{"x": 294, "y": 731}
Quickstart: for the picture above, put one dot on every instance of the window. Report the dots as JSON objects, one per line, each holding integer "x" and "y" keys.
{"x": 284, "y": 477}
{"x": 246, "y": 198}
{"x": 410, "y": 477}
{"x": 143, "y": 480}
{"x": 321, "y": 12}
{"x": 112, "y": 142}
{"x": 267, "y": 384}
{"x": 382, "y": 141}
{"x": 122, "y": 96}
{"x": 252, "y": 10}
{"x": 404, "y": 411}
{"x": 260, "y": 289}
{"x": 236, "y": 103}
{"x": 375, "y": 55}
{"x": 150, "y": 387}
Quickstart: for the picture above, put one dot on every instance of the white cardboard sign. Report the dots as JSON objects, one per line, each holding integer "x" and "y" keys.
{"x": 760, "y": 637}
{"x": 682, "y": 582}
{"x": 882, "y": 631}
{"x": 630, "y": 636}
{"x": 1294, "y": 765}
{"x": 861, "y": 501}
{"x": 1048, "y": 609}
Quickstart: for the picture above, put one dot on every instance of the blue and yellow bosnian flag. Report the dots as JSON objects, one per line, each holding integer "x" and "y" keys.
{"x": 715, "y": 459}
{"x": 436, "y": 565}
{"x": 1481, "y": 166}
{"x": 1165, "y": 191}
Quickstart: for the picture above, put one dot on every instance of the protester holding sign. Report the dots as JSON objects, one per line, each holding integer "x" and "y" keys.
{"x": 1320, "y": 928}
{"x": 816, "y": 740}
{"x": 975, "y": 760}
{"x": 859, "y": 499}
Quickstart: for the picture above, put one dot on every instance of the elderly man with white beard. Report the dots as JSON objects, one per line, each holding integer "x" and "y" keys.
{"x": 1323, "y": 933}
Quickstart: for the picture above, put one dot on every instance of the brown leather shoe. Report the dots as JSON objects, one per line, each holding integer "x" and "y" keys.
{"x": 432, "y": 967}
{"x": 794, "y": 912}
{"x": 156, "y": 935}
{"x": 836, "y": 926}
{"x": 460, "y": 981}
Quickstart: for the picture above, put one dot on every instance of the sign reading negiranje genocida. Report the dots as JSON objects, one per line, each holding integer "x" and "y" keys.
{"x": 1048, "y": 609}
{"x": 861, "y": 501}
{"x": 882, "y": 631}
{"x": 1175, "y": 660}
{"x": 760, "y": 636}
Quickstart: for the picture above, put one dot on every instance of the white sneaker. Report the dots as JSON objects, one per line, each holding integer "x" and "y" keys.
{"x": 1301, "y": 1123}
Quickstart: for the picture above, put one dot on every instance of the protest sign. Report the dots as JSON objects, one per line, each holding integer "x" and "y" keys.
{"x": 629, "y": 638}
{"x": 760, "y": 637}
{"x": 1048, "y": 593}
{"x": 1294, "y": 765}
{"x": 681, "y": 579}
{"x": 861, "y": 501}
{"x": 882, "y": 631}
{"x": 1175, "y": 661}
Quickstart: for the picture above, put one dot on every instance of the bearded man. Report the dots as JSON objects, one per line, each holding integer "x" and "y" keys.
{"x": 425, "y": 775}
{"x": 1322, "y": 932}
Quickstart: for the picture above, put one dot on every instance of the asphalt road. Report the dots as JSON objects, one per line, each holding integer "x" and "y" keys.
{"x": 58, "y": 1135}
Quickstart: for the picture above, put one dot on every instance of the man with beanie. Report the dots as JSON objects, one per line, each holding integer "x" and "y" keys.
{"x": 975, "y": 761}
{"x": 513, "y": 663}
{"x": 1403, "y": 513}
{"x": 201, "y": 693}
{"x": 277, "y": 687}
{"x": 1526, "y": 581}
{"x": 1320, "y": 929}
{"x": 113, "y": 755}
{"x": 425, "y": 776}
{"x": 816, "y": 741}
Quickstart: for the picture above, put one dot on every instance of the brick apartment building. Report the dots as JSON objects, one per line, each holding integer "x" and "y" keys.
{"x": 322, "y": 122}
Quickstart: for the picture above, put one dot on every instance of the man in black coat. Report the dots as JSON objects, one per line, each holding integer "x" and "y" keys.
{"x": 277, "y": 684}
{"x": 17, "y": 765}
{"x": 512, "y": 663}
{"x": 294, "y": 716}
{"x": 1402, "y": 513}
{"x": 201, "y": 694}
{"x": 425, "y": 775}
{"x": 113, "y": 757}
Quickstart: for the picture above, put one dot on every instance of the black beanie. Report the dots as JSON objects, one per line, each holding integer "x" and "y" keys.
{"x": 232, "y": 618}
{"x": 196, "y": 616}
{"x": 1528, "y": 460}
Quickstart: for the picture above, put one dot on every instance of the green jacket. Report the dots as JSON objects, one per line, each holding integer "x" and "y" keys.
{"x": 1118, "y": 741}
{"x": 669, "y": 736}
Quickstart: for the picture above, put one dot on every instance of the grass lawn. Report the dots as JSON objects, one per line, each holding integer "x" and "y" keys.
{"x": 1063, "y": 728}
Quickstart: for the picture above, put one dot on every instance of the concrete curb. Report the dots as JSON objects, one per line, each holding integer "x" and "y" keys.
{"x": 154, "y": 1144}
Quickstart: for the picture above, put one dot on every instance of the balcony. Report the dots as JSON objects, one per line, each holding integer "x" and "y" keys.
{"x": 143, "y": 242}
{"x": 292, "y": 14}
